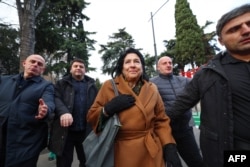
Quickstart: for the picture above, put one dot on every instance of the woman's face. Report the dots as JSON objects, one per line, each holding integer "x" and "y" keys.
{"x": 132, "y": 67}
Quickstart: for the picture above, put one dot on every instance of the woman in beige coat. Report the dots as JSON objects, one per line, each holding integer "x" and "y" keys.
{"x": 145, "y": 137}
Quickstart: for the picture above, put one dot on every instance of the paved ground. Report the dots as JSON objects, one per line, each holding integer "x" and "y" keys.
{"x": 44, "y": 162}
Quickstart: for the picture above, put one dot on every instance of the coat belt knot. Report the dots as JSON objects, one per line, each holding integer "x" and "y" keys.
{"x": 148, "y": 139}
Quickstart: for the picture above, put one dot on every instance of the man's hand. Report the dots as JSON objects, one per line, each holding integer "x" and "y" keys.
{"x": 42, "y": 110}
{"x": 66, "y": 120}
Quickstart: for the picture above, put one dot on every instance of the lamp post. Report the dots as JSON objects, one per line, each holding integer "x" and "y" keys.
{"x": 155, "y": 50}
{"x": 152, "y": 21}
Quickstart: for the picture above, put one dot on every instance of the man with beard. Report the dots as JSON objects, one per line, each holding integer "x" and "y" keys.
{"x": 74, "y": 94}
{"x": 222, "y": 87}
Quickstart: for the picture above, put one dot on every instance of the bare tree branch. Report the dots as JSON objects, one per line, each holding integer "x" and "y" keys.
{"x": 39, "y": 9}
{"x": 8, "y": 4}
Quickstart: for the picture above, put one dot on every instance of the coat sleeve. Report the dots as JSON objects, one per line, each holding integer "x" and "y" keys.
{"x": 60, "y": 105}
{"x": 48, "y": 97}
{"x": 104, "y": 95}
{"x": 187, "y": 98}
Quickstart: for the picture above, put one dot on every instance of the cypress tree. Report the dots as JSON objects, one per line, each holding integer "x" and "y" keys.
{"x": 189, "y": 36}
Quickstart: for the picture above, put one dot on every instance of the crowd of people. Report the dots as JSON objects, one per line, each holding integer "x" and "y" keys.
{"x": 154, "y": 112}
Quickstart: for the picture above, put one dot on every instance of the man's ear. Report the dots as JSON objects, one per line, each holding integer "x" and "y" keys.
{"x": 42, "y": 71}
{"x": 221, "y": 41}
{"x": 24, "y": 62}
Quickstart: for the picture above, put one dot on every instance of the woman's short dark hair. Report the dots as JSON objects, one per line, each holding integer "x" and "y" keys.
{"x": 119, "y": 65}
{"x": 231, "y": 15}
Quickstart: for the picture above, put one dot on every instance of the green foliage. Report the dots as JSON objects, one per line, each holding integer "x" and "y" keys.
{"x": 209, "y": 45}
{"x": 209, "y": 42}
{"x": 118, "y": 43}
{"x": 149, "y": 65}
{"x": 189, "y": 36}
{"x": 9, "y": 45}
{"x": 98, "y": 83}
{"x": 61, "y": 36}
{"x": 112, "y": 50}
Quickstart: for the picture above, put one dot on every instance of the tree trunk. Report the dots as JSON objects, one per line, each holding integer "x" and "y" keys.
{"x": 27, "y": 15}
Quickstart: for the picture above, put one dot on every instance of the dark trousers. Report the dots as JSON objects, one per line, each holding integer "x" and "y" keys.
{"x": 188, "y": 148}
{"x": 74, "y": 140}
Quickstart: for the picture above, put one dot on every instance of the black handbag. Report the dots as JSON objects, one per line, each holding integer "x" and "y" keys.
{"x": 99, "y": 149}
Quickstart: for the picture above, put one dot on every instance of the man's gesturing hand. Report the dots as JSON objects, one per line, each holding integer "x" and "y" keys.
{"x": 42, "y": 109}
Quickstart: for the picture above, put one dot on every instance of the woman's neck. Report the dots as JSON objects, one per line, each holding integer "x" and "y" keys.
{"x": 131, "y": 84}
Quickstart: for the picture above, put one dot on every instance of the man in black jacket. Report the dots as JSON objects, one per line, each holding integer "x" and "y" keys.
{"x": 74, "y": 94}
{"x": 222, "y": 86}
{"x": 169, "y": 87}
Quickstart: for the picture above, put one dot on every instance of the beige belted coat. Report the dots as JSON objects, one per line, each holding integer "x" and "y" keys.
{"x": 145, "y": 126}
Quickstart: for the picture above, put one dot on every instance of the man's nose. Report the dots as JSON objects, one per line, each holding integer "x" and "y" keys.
{"x": 246, "y": 28}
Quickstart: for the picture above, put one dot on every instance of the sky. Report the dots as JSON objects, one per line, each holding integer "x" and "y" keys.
{"x": 107, "y": 16}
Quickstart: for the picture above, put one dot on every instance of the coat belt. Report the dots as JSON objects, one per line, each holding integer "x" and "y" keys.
{"x": 148, "y": 139}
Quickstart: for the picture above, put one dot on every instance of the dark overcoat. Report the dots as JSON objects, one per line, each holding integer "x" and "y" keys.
{"x": 64, "y": 100}
{"x": 26, "y": 136}
{"x": 211, "y": 87}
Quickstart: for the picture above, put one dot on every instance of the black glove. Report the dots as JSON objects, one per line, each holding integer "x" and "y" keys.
{"x": 170, "y": 155}
{"x": 119, "y": 103}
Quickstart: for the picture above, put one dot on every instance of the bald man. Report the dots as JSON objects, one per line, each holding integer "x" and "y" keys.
{"x": 26, "y": 104}
{"x": 169, "y": 87}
